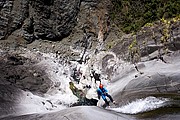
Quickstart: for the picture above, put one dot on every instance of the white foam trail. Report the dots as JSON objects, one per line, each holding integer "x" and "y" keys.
{"x": 142, "y": 105}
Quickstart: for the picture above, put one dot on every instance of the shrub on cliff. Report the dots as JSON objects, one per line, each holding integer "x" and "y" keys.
{"x": 131, "y": 15}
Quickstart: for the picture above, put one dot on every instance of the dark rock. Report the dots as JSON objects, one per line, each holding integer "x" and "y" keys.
{"x": 85, "y": 102}
{"x": 21, "y": 72}
{"x": 55, "y": 22}
{"x": 9, "y": 96}
{"x": 51, "y": 20}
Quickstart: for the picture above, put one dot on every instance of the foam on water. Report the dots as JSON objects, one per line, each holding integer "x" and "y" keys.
{"x": 142, "y": 105}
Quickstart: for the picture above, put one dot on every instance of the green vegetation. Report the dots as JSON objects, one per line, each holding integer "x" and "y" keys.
{"x": 110, "y": 44}
{"x": 134, "y": 51}
{"x": 131, "y": 15}
{"x": 165, "y": 33}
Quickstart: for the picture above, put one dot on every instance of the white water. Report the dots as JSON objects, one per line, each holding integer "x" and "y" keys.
{"x": 142, "y": 105}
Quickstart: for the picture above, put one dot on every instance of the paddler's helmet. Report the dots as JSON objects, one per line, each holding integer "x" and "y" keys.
{"x": 101, "y": 86}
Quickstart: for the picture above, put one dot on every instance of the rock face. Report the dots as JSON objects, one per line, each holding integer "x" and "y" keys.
{"x": 159, "y": 85}
{"x": 53, "y": 19}
{"x": 150, "y": 42}
{"x": 158, "y": 79}
{"x": 20, "y": 72}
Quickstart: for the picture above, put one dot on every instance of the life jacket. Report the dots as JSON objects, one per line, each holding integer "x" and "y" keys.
{"x": 102, "y": 91}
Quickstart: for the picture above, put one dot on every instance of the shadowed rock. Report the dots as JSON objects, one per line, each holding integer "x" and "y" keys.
{"x": 22, "y": 73}
{"x": 39, "y": 19}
